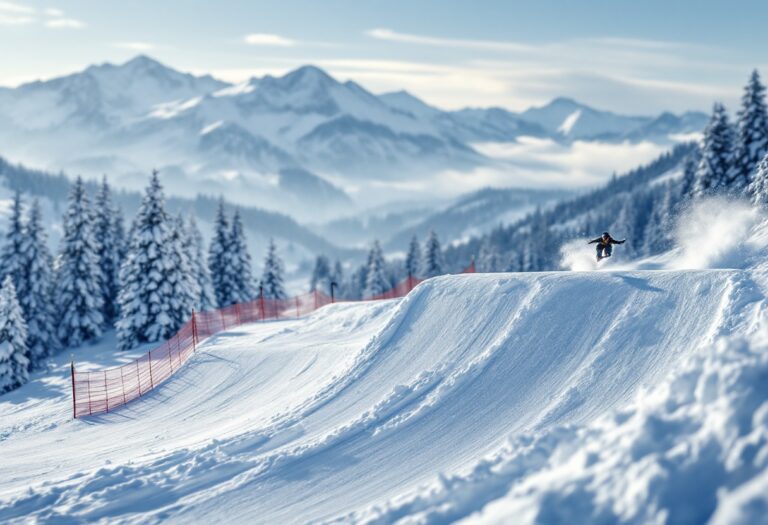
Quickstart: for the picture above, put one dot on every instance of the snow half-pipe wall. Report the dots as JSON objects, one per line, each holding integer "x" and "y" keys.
{"x": 100, "y": 391}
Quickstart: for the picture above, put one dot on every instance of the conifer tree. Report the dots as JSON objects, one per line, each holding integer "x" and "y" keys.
{"x": 713, "y": 174}
{"x": 488, "y": 260}
{"x": 626, "y": 225}
{"x": 659, "y": 228}
{"x": 186, "y": 291}
{"x": 14, "y": 356}
{"x": 11, "y": 259}
{"x": 433, "y": 257}
{"x": 752, "y": 133}
{"x": 758, "y": 189}
{"x": 688, "y": 183}
{"x": 376, "y": 280}
{"x": 152, "y": 298}
{"x": 219, "y": 259}
{"x": 35, "y": 291}
{"x": 207, "y": 298}
{"x": 321, "y": 275}
{"x": 240, "y": 267}
{"x": 413, "y": 258}
{"x": 338, "y": 273}
{"x": 121, "y": 241}
{"x": 272, "y": 277}
{"x": 107, "y": 237}
{"x": 78, "y": 295}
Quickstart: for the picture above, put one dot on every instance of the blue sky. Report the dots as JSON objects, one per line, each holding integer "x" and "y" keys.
{"x": 633, "y": 57}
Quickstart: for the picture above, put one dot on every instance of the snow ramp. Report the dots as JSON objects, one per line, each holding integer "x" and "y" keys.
{"x": 359, "y": 404}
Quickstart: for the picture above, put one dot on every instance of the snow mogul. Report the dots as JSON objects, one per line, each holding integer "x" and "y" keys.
{"x": 604, "y": 245}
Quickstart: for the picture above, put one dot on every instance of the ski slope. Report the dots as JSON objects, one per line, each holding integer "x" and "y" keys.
{"x": 359, "y": 406}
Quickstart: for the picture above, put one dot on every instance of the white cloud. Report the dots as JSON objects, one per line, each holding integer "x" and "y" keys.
{"x": 268, "y": 39}
{"x": 65, "y": 23}
{"x": 135, "y": 46}
{"x": 12, "y": 14}
{"x": 12, "y": 7}
{"x": 388, "y": 34}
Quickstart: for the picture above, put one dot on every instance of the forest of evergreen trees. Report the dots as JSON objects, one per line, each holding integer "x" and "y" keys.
{"x": 147, "y": 281}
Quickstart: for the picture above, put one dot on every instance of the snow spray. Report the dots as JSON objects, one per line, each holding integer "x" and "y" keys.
{"x": 576, "y": 256}
{"x": 717, "y": 233}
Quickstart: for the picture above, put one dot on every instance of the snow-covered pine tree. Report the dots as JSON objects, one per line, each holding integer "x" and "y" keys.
{"x": 272, "y": 277}
{"x": 752, "y": 133}
{"x": 338, "y": 273}
{"x": 195, "y": 250}
{"x": 413, "y": 258}
{"x": 240, "y": 266}
{"x": 515, "y": 262}
{"x": 219, "y": 259}
{"x": 658, "y": 230}
{"x": 538, "y": 248}
{"x": 758, "y": 189}
{"x": 489, "y": 259}
{"x": 35, "y": 291}
{"x": 688, "y": 182}
{"x": 713, "y": 173}
{"x": 321, "y": 275}
{"x": 149, "y": 307}
{"x": 107, "y": 237}
{"x": 186, "y": 291}
{"x": 376, "y": 280}
{"x": 433, "y": 264}
{"x": 78, "y": 293}
{"x": 14, "y": 356}
{"x": 11, "y": 259}
{"x": 625, "y": 225}
{"x": 121, "y": 241}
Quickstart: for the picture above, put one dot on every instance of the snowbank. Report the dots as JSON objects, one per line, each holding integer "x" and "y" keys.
{"x": 691, "y": 449}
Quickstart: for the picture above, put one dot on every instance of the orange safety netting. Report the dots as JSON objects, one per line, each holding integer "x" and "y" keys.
{"x": 100, "y": 391}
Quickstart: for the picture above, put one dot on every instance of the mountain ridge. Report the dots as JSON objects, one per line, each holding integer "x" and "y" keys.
{"x": 235, "y": 138}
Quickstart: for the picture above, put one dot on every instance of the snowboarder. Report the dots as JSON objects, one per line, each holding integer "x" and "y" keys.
{"x": 604, "y": 248}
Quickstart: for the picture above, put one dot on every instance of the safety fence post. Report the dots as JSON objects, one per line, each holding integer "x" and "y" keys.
{"x": 170, "y": 357}
{"x": 261, "y": 301}
{"x": 297, "y": 307}
{"x": 106, "y": 392}
{"x": 90, "y": 409}
{"x": 333, "y": 287}
{"x": 237, "y": 314}
{"x": 74, "y": 399}
{"x": 194, "y": 332}
{"x": 138, "y": 377}
{"x": 122, "y": 381}
{"x": 151, "y": 381}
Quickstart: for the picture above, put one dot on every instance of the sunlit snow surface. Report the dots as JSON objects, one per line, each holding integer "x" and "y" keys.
{"x": 623, "y": 395}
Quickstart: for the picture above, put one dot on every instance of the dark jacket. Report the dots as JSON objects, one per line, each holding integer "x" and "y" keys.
{"x": 610, "y": 240}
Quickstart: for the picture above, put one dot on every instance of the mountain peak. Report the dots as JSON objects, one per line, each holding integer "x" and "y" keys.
{"x": 142, "y": 60}
{"x": 565, "y": 102}
{"x": 307, "y": 75}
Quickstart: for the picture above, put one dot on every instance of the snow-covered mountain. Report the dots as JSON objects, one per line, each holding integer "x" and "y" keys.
{"x": 216, "y": 137}
{"x": 570, "y": 120}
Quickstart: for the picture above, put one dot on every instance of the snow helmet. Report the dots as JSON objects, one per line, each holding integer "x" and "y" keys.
{"x": 606, "y": 234}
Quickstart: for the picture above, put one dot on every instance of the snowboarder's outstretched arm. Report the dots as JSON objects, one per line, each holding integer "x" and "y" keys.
{"x": 593, "y": 241}
{"x": 614, "y": 241}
